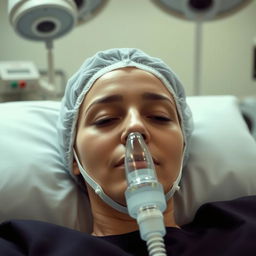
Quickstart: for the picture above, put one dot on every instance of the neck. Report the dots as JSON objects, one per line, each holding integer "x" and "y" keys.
{"x": 108, "y": 221}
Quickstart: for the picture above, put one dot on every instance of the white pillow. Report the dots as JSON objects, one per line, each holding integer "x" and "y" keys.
{"x": 222, "y": 162}
{"x": 33, "y": 184}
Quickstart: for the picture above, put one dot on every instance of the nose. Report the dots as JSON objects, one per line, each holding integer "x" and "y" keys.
{"x": 134, "y": 123}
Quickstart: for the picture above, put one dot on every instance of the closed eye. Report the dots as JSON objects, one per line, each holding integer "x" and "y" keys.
{"x": 105, "y": 121}
{"x": 158, "y": 118}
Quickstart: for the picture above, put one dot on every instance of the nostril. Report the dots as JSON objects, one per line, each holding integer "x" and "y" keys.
{"x": 143, "y": 136}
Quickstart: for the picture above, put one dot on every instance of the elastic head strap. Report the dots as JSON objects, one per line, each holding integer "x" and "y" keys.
{"x": 100, "y": 192}
{"x": 98, "y": 189}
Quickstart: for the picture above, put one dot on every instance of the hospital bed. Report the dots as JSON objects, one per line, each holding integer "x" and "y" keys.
{"x": 34, "y": 185}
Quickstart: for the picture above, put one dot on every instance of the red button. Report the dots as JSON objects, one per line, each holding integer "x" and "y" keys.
{"x": 22, "y": 84}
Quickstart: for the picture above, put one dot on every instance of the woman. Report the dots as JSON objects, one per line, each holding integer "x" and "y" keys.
{"x": 114, "y": 93}
{"x": 125, "y": 91}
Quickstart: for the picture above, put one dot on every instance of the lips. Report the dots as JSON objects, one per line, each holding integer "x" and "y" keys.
{"x": 139, "y": 163}
{"x": 120, "y": 162}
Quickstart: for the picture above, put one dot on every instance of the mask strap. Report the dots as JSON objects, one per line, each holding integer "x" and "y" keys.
{"x": 98, "y": 189}
{"x": 175, "y": 186}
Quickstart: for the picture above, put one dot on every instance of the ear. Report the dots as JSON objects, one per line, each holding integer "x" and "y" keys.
{"x": 76, "y": 170}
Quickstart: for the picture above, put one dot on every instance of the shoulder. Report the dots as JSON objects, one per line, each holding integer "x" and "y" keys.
{"x": 36, "y": 238}
{"x": 227, "y": 212}
{"x": 219, "y": 228}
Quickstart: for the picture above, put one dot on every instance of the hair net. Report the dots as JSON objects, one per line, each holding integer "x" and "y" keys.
{"x": 96, "y": 66}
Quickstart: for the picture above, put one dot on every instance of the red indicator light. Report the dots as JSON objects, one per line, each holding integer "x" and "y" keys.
{"x": 22, "y": 84}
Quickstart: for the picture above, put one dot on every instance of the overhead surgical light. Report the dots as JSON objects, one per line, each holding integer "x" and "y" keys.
{"x": 88, "y": 9}
{"x": 42, "y": 21}
{"x": 203, "y": 10}
{"x": 47, "y": 20}
{"x": 200, "y": 11}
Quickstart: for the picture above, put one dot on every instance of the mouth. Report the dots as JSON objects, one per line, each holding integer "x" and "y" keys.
{"x": 138, "y": 163}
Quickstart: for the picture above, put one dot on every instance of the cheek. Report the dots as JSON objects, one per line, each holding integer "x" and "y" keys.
{"x": 172, "y": 143}
{"x": 174, "y": 149}
{"x": 172, "y": 152}
{"x": 93, "y": 150}
{"x": 95, "y": 153}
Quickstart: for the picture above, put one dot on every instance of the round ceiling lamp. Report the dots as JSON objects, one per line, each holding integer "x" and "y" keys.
{"x": 87, "y": 9}
{"x": 200, "y": 11}
{"x": 203, "y": 10}
{"x": 50, "y": 19}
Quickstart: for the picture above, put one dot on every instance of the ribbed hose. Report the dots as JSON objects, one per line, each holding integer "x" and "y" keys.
{"x": 156, "y": 246}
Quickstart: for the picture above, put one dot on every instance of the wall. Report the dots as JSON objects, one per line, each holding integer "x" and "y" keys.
{"x": 226, "y": 51}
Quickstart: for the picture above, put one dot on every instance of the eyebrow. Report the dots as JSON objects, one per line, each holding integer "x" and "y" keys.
{"x": 119, "y": 98}
{"x": 156, "y": 96}
{"x": 108, "y": 99}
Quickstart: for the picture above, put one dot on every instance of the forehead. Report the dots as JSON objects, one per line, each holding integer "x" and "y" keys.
{"x": 129, "y": 80}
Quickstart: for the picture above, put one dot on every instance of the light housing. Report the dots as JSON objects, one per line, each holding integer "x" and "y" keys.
{"x": 200, "y": 11}
{"x": 46, "y": 21}
{"x": 203, "y": 10}
{"x": 87, "y": 9}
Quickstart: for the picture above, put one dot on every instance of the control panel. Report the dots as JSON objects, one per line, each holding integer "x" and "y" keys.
{"x": 18, "y": 77}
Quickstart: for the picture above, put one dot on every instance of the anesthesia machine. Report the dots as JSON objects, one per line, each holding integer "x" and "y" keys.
{"x": 44, "y": 21}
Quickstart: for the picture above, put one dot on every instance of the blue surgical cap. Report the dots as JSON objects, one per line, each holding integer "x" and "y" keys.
{"x": 96, "y": 66}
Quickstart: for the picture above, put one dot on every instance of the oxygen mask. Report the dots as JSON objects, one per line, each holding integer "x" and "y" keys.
{"x": 144, "y": 195}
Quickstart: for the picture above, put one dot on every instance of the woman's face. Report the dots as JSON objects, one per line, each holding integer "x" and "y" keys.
{"x": 123, "y": 101}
